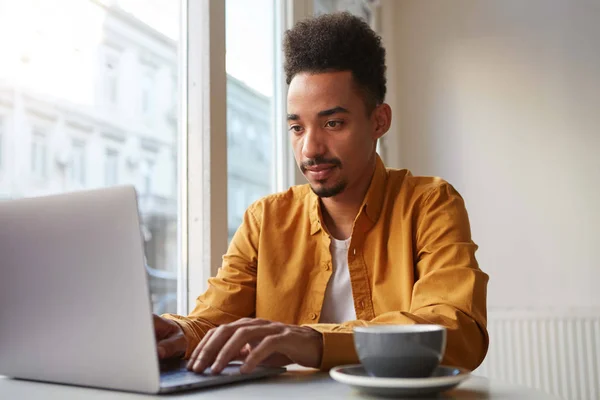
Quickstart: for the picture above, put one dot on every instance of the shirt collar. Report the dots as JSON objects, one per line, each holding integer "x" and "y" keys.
{"x": 372, "y": 203}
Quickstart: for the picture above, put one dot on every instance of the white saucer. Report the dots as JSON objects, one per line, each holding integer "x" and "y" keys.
{"x": 443, "y": 378}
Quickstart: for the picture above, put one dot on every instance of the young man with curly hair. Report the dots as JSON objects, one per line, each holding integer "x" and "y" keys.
{"x": 358, "y": 245}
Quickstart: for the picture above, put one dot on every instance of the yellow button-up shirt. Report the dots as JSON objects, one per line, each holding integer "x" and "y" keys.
{"x": 411, "y": 261}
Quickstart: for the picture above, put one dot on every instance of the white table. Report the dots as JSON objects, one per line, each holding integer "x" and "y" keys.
{"x": 297, "y": 383}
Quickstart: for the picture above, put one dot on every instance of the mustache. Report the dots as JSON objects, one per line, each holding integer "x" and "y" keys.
{"x": 320, "y": 160}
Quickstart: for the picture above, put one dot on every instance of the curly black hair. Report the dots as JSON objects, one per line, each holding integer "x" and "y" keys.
{"x": 338, "y": 42}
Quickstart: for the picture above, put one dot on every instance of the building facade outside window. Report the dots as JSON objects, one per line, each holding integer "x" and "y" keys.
{"x": 111, "y": 167}
{"x": 70, "y": 76}
{"x": 78, "y": 162}
{"x": 111, "y": 76}
{"x": 39, "y": 154}
{"x": 2, "y": 128}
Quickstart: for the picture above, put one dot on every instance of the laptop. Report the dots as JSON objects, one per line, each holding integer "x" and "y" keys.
{"x": 74, "y": 300}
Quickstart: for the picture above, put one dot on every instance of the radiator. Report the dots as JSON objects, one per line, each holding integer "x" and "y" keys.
{"x": 556, "y": 353}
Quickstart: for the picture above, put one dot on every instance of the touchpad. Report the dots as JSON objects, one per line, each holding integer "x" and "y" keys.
{"x": 175, "y": 373}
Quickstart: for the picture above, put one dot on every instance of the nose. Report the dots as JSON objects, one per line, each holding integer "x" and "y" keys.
{"x": 313, "y": 145}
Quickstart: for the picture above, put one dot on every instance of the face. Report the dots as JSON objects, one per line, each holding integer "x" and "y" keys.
{"x": 333, "y": 136}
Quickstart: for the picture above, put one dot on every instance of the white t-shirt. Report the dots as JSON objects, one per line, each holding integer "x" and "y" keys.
{"x": 338, "y": 305}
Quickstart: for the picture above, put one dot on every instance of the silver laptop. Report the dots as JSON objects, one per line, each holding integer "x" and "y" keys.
{"x": 74, "y": 300}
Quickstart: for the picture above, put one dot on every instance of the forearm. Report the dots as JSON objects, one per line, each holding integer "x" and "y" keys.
{"x": 203, "y": 318}
{"x": 193, "y": 329}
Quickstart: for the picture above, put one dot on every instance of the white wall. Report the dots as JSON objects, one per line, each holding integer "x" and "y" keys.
{"x": 502, "y": 98}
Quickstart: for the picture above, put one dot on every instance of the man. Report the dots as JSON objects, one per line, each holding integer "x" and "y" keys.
{"x": 359, "y": 245}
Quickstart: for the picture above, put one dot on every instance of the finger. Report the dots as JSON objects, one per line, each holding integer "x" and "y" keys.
{"x": 248, "y": 321}
{"x": 159, "y": 326}
{"x": 172, "y": 346}
{"x": 210, "y": 348}
{"x": 242, "y": 354}
{"x": 208, "y": 335}
{"x": 245, "y": 350}
{"x": 238, "y": 340}
{"x": 199, "y": 348}
{"x": 269, "y": 346}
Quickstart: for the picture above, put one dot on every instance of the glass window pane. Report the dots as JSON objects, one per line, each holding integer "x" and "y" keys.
{"x": 360, "y": 8}
{"x": 111, "y": 167}
{"x": 250, "y": 89}
{"x": 2, "y": 123}
{"x": 78, "y": 162}
{"x": 38, "y": 154}
{"x": 90, "y": 91}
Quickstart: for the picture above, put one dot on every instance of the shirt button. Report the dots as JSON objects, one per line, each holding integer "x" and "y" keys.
{"x": 312, "y": 315}
{"x": 327, "y": 266}
{"x": 361, "y": 304}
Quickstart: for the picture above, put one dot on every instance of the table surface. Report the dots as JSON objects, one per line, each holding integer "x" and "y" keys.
{"x": 297, "y": 383}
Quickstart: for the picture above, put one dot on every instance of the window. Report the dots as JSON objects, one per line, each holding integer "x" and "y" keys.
{"x": 111, "y": 167}
{"x": 148, "y": 89}
{"x": 360, "y": 8}
{"x": 81, "y": 88}
{"x": 111, "y": 77}
{"x": 78, "y": 161}
{"x": 2, "y": 128}
{"x": 234, "y": 128}
{"x": 237, "y": 206}
{"x": 174, "y": 94}
{"x": 39, "y": 154}
{"x": 147, "y": 175}
{"x": 251, "y": 132}
{"x": 250, "y": 89}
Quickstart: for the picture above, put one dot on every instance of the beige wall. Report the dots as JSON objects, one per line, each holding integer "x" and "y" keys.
{"x": 502, "y": 98}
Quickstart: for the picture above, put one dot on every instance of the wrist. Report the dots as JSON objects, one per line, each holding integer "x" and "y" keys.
{"x": 317, "y": 339}
{"x": 179, "y": 331}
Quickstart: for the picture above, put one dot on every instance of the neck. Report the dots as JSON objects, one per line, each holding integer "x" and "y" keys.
{"x": 339, "y": 212}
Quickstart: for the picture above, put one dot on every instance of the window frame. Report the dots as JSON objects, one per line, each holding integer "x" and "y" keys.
{"x": 203, "y": 157}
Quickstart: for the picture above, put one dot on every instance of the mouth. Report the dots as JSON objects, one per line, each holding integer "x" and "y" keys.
{"x": 320, "y": 172}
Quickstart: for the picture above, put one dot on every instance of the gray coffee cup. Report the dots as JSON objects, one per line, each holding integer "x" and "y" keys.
{"x": 401, "y": 351}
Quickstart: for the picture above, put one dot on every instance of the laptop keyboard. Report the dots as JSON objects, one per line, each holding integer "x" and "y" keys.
{"x": 183, "y": 376}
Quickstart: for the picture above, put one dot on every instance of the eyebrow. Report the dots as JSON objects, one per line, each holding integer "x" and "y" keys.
{"x": 324, "y": 113}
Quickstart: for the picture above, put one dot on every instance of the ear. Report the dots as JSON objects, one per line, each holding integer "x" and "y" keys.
{"x": 382, "y": 119}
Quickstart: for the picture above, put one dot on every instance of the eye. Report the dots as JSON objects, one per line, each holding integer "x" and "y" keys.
{"x": 295, "y": 129}
{"x": 334, "y": 124}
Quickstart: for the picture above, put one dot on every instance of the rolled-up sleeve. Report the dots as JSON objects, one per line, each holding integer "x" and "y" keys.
{"x": 231, "y": 294}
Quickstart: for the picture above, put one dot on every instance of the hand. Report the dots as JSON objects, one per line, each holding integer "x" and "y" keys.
{"x": 257, "y": 341}
{"x": 171, "y": 342}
